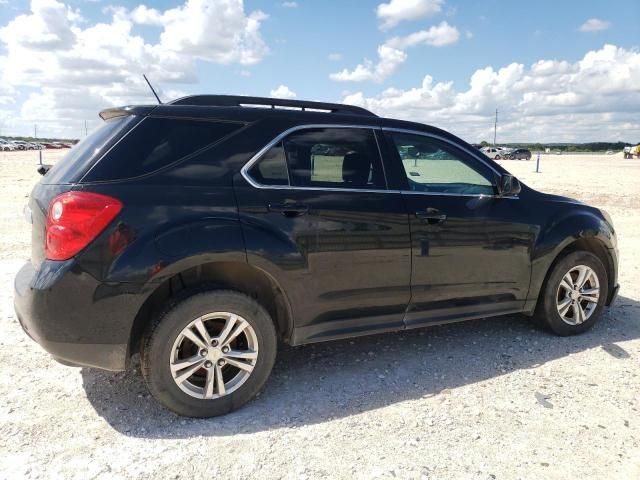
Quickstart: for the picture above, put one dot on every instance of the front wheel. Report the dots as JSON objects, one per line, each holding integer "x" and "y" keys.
{"x": 574, "y": 294}
{"x": 209, "y": 353}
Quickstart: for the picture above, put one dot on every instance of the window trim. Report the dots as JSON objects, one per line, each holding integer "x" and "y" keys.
{"x": 256, "y": 157}
{"x": 244, "y": 171}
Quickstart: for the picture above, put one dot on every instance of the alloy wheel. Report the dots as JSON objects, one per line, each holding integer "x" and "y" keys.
{"x": 214, "y": 355}
{"x": 578, "y": 294}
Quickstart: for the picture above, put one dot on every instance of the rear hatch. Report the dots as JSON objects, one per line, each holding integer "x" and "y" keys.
{"x": 69, "y": 171}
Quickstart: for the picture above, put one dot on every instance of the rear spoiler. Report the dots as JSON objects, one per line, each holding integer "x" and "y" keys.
{"x": 114, "y": 112}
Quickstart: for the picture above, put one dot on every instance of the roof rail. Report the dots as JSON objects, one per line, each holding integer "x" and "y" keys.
{"x": 243, "y": 101}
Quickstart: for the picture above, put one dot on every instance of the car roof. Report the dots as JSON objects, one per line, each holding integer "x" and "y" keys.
{"x": 250, "y": 109}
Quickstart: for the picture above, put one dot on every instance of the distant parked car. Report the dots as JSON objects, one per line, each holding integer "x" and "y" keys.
{"x": 20, "y": 145}
{"x": 519, "y": 154}
{"x": 494, "y": 153}
{"x": 629, "y": 152}
{"x": 6, "y": 146}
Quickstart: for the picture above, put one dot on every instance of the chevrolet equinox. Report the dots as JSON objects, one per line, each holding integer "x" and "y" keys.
{"x": 202, "y": 232}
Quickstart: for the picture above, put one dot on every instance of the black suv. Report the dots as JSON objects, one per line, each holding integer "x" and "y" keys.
{"x": 519, "y": 154}
{"x": 200, "y": 233}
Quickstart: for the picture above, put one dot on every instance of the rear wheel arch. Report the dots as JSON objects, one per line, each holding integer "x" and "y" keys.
{"x": 235, "y": 276}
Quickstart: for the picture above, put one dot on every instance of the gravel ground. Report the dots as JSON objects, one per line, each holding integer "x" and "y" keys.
{"x": 485, "y": 399}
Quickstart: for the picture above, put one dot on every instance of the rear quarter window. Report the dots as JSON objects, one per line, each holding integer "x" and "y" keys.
{"x": 71, "y": 167}
{"x": 156, "y": 143}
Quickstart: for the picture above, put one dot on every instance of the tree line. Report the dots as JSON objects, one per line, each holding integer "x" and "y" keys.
{"x": 566, "y": 147}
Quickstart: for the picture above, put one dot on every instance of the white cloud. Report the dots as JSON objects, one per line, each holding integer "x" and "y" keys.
{"x": 334, "y": 57}
{"x": 48, "y": 28}
{"x": 594, "y": 25}
{"x": 290, "y": 4}
{"x": 144, "y": 15}
{"x": 213, "y": 30}
{"x": 389, "y": 59}
{"x": 282, "y": 92}
{"x": 594, "y": 98}
{"x": 392, "y": 54}
{"x": 436, "y": 36}
{"x": 51, "y": 49}
{"x": 397, "y": 11}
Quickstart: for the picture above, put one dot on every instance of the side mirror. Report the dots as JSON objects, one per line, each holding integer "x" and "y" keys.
{"x": 508, "y": 186}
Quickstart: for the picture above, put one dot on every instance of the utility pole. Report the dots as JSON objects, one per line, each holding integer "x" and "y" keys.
{"x": 35, "y": 136}
{"x": 495, "y": 128}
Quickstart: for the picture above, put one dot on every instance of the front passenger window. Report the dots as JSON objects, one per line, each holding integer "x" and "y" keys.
{"x": 434, "y": 166}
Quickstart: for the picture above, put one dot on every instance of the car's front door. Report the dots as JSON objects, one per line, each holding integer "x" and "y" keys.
{"x": 318, "y": 217}
{"x": 469, "y": 258}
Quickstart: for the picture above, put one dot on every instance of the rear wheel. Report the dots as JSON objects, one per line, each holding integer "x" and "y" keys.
{"x": 574, "y": 294}
{"x": 209, "y": 353}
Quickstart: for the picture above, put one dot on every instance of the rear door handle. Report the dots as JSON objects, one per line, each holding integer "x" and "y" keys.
{"x": 289, "y": 209}
{"x": 431, "y": 215}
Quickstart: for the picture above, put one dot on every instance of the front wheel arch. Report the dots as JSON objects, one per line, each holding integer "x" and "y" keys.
{"x": 551, "y": 310}
{"x": 586, "y": 244}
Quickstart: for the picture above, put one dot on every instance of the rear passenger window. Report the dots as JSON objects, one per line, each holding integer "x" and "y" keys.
{"x": 156, "y": 143}
{"x": 334, "y": 158}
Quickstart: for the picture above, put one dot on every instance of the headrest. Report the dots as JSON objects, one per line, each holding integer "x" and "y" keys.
{"x": 355, "y": 169}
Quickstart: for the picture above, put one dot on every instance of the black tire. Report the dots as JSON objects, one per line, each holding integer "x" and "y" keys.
{"x": 547, "y": 314}
{"x": 162, "y": 333}
{"x": 497, "y": 157}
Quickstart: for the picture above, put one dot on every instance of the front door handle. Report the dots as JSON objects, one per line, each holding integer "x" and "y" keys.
{"x": 431, "y": 215}
{"x": 289, "y": 210}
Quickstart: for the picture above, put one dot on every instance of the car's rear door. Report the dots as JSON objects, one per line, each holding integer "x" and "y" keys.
{"x": 469, "y": 257}
{"x": 317, "y": 216}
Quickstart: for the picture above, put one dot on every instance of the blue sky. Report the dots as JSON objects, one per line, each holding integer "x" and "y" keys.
{"x": 59, "y": 67}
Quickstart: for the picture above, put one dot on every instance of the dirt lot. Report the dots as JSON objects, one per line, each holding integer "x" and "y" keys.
{"x": 485, "y": 399}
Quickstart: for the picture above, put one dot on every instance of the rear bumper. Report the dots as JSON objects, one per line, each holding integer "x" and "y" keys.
{"x": 62, "y": 310}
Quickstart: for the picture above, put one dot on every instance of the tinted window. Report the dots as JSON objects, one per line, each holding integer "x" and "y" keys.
{"x": 334, "y": 157}
{"x": 156, "y": 143}
{"x": 433, "y": 166}
{"x": 272, "y": 168}
{"x": 87, "y": 151}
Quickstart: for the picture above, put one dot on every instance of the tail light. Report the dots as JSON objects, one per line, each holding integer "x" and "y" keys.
{"x": 75, "y": 219}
